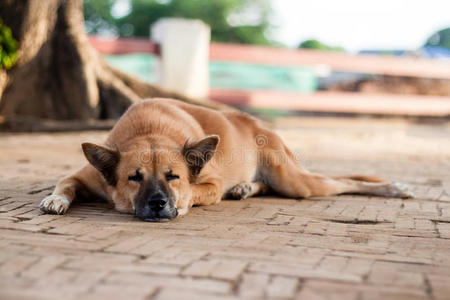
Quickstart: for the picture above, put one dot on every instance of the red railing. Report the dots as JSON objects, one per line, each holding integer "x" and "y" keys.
{"x": 338, "y": 102}
{"x": 367, "y": 64}
{"x": 124, "y": 45}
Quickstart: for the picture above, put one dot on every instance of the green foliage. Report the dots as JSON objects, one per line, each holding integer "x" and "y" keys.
{"x": 316, "y": 45}
{"x": 238, "y": 21}
{"x": 8, "y": 48}
{"x": 440, "y": 38}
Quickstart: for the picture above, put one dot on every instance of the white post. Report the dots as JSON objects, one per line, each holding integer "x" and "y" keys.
{"x": 184, "y": 63}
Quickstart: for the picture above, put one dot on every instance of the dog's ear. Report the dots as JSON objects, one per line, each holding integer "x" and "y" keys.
{"x": 198, "y": 153}
{"x": 103, "y": 159}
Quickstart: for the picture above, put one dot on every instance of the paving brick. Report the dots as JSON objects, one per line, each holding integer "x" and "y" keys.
{"x": 72, "y": 229}
{"x": 303, "y": 272}
{"x": 100, "y": 261}
{"x": 12, "y": 205}
{"x": 44, "y": 265}
{"x": 385, "y": 275}
{"x": 358, "y": 266}
{"x": 41, "y": 219}
{"x": 228, "y": 270}
{"x": 127, "y": 244}
{"x": 99, "y": 234}
{"x": 173, "y": 255}
{"x": 17, "y": 264}
{"x": 440, "y": 287}
{"x": 199, "y": 268}
{"x": 280, "y": 220}
{"x": 424, "y": 224}
{"x": 282, "y": 287}
{"x": 218, "y": 269}
{"x": 316, "y": 228}
{"x": 152, "y": 246}
{"x": 396, "y": 295}
{"x": 115, "y": 291}
{"x": 185, "y": 283}
{"x": 333, "y": 263}
{"x": 170, "y": 294}
{"x": 444, "y": 230}
{"x": 404, "y": 223}
{"x": 324, "y": 291}
{"x": 340, "y": 247}
{"x": 253, "y": 286}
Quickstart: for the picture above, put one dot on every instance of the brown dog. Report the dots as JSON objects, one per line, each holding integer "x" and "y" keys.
{"x": 164, "y": 156}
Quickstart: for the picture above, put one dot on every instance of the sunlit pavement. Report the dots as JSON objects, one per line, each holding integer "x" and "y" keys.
{"x": 346, "y": 247}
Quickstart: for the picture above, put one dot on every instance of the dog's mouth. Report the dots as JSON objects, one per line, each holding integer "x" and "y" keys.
{"x": 159, "y": 217}
{"x": 156, "y": 220}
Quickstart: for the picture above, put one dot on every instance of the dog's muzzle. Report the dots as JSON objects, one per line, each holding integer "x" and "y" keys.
{"x": 158, "y": 208}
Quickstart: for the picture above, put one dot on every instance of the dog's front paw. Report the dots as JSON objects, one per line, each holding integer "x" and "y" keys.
{"x": 182, "y": 211}
{"x": 400, "y": 190}
{"x": 240, "y": 191}
{"x": 55, "y": 204}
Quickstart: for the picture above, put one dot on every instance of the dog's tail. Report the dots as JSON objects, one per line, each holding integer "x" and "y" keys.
{"x": 361, "y": 178}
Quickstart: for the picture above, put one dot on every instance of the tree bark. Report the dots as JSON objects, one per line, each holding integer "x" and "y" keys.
{"x": 59, "y": 75}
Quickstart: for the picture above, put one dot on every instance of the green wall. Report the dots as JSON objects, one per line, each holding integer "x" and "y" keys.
{"x": 229, "y": 75}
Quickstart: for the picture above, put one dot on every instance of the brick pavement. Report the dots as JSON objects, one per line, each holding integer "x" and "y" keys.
{"x": 346, "y": 247}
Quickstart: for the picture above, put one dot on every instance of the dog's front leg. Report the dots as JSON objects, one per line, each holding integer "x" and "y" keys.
{"x": 205, "y": 194}
{"x": 66, "y": 190}
{"x": 202, "y": 194}
{"x": 61, "y": 198}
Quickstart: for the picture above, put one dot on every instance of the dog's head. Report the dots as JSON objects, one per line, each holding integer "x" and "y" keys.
{"x": 153, "y": 182}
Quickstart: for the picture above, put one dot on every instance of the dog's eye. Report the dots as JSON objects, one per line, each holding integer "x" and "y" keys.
{"x": 170, "y": 176}
{"x": 136, "y": 177}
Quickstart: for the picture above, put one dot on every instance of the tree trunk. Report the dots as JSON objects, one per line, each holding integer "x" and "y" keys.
{"x": 59, "y": 75}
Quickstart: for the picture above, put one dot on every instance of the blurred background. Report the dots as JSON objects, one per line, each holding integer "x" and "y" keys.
{"x": 377, "y": 47}
{"x": 264, "y": 56}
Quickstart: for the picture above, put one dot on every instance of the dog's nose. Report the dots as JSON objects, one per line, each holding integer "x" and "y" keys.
{"x": 157, "y": 201}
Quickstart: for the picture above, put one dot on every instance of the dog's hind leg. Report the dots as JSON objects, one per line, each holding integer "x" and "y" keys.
{"x": 291, "y": 182}
{"x": 361, "y": 178}
{"x": 286, "y": 177}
